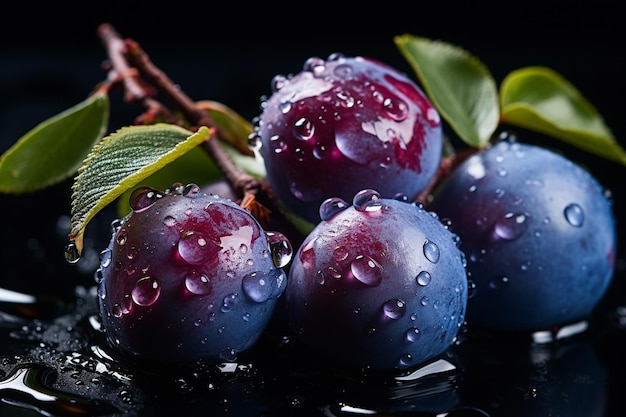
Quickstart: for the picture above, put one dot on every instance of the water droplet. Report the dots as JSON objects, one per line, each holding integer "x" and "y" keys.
{"x": 146, "y": 291}
{"x": 169, "y": 221}
{"x": 314, "y": 64}
{"x": 405, "y": 361}
{"x": 285, "y": 106}
{"x": 198, "y": 283}
{"x": 278, "y": 82}
{"x": 423, "y": 278}
{"x": 278, "y": 143}
{"x": 143, "y": 197}
{"x": 257, "y": 286}
{"x": 340, "y": 253}
{"x": 191, "y": 190}
{"x": 367, "y": 270}
{"x": 431, "y": 251}
{"x": 280, "y": 248}
{"x": 342, "y": 70}
{"x": 254, "y": 141}
{"x": 196, "y": 249}
{"x": 228, "y": 303}
{"x": 72, "y": 255}
{"x": 280, "y": 278}
{"x": 511, "y": 226}
{"x": 367, "y": 200}
{"x": 412, "y": 334}
{"x": 394, "y": 309}
{"x": 332, "y": 206}
{"x": 574, "y": 215}
{"x": 304, "y": 129}
{"x": 396, "y": 109}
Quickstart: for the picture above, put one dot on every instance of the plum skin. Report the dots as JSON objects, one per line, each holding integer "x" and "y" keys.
{"x": 181, "y": 279}
{"x": 538, "y": 232}
{"x": 342, "y": 125}
{"x": 362, "y": 292}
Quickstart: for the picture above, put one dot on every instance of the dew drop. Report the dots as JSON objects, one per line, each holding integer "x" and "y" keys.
{"x": 278, "y": 144}
{"x": 574, "y": 215}
{"x": 367, "y": 200}
{"x": 431, "y": 251}
{"x": 228, "y": 303}
{"x": 423, "y": 278}
{"x": 143, "y": 197}
{"x": 169, "y": 221}
{"x": 396, "y": 109}
{"x": 121, "y": 237}
{"x": 342, "y": 70}
{"x": 405, "y": 361}
{"x": 412, "y": 334}
{"x": 314, "y": 64}
{"x": 285, "y": 106}
{"x": 191, "y": 190}
{"x": 257, "y": 286}
{"x": 198, "y": 283}
{"x": 304, "y": 129}
{"x": 254, "y": 141}
{"x": 394, "y": 309}
{"x": 367, "y": 270}
{"x": 146, "y": 291}
{"x": 332, "y": 206}
{"x": 72, "y": 255}
{"x": 280, "y": 248}
{"x": 340, "y": 253}
{"x": 195, "y": 248}
{"x": 279, "y": 277}
{"x": 511, "y": 226}
{"x": 278, "y": 82}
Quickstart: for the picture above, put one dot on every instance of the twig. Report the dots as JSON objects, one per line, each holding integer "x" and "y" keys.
{"x": 256, "y": 195}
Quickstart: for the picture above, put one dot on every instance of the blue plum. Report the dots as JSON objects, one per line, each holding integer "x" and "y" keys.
{"x": 342, "y": 125}
{"x": 187, "y": 277}
{"x": 539, "y": 235}
{"x": 380, "y": 283}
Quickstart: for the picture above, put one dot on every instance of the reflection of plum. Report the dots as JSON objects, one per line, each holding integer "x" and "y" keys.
{"x": 510, "y": 378}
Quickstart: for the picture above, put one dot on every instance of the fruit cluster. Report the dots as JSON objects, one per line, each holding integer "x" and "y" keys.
{"x": 516, "y": 238}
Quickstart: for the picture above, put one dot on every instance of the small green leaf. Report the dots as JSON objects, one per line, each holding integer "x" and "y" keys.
{"x": 540, "y": 99}
{"x": 120, "y": 161}
{"x": 458, "y": 84}
{"x": 54, "y": 150}
{"x": 194, "y": 166}
{"x": 234, "y": 129}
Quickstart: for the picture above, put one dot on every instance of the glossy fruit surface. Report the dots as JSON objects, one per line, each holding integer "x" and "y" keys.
{"x": 342, "y": 125}
{"x": 187, "y": 277}
{"x": 538, "y": 232}
{"x": 380, "y": 283}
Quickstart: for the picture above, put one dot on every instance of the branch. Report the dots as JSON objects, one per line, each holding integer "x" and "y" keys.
{"x": 129, "y": 62}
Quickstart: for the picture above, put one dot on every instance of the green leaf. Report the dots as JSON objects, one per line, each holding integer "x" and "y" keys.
{"x": 458, "y": 84}
{"x": 194, "y": 166}
{"x": 540, "y": 99}
{"x": 233, "y": 128}
{"x": 120, "y": 161}
{"x": 54, "y": 150}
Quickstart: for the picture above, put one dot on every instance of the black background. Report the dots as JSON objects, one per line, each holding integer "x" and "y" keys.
{"x": 50, "y": 59}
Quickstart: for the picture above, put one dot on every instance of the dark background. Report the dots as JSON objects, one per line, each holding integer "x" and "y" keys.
{"x": 50, "y": 59}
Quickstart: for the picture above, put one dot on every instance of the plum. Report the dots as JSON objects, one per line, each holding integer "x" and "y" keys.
{"x": 538, "y": 232}
{"x": 380, "y": 283}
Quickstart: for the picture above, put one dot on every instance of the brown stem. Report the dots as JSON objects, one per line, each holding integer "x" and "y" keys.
{"x": 256, "y": 194}
{"x": 135, "y": 90}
